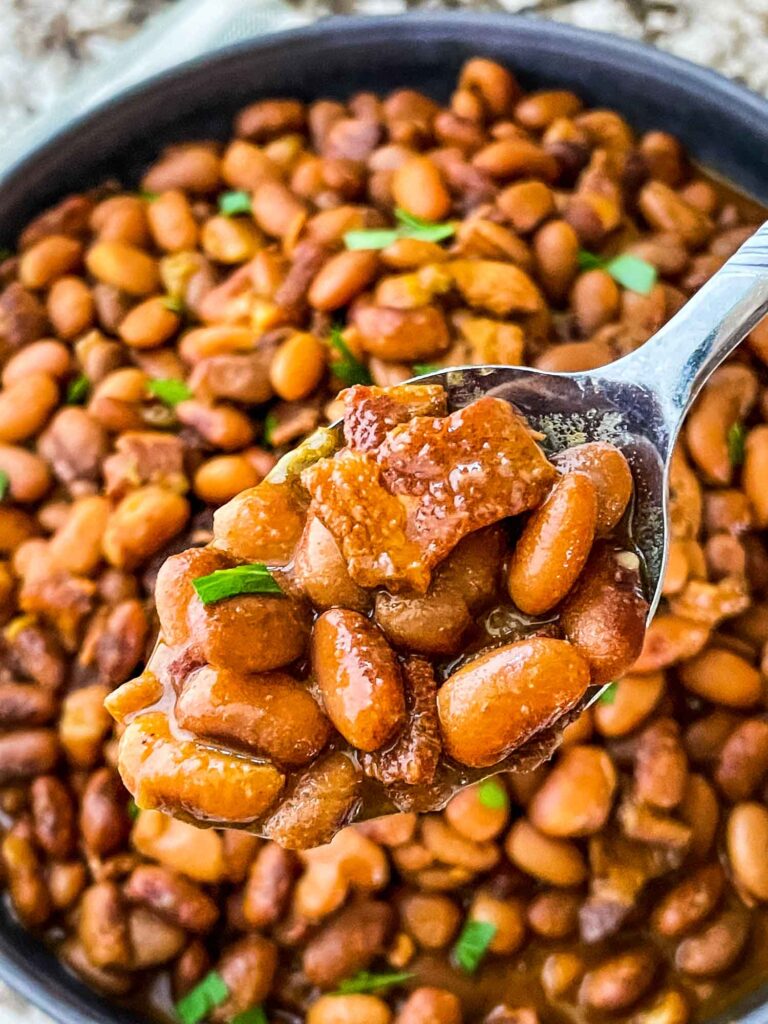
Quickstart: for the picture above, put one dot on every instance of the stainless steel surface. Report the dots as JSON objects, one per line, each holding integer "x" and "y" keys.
{"x": 638, "y": 403}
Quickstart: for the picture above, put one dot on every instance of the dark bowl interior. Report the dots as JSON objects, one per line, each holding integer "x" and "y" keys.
{"x": 723, "y": 125}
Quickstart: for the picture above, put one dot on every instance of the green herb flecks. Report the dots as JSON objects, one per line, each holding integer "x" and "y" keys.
{"x": 631, "y": 272}
{"x": 77, "y": 390}
{"x": 255, "y": 1015}
{"x": 242, "y": 579}
{"x": 736, "y": 437}
{"x": 492, "y": 794}
{"x": 366, "y": 981}
{"x": 5, "y": 485}
{"x": 408, "y": 226}
{"x": 424, "y": 369}
{"x": 349, "y": 370}
{"x": 472, "y": 944}
{"x": 169, "y": 390}
{"x": 173, "y": 303}
{"x": 148, "y": 195}
{"x": 271, "y": 424}
{"x": 133, "y": 810}
{"x": 211, "y": 992}
{"x": 609, "y": 694}
{"x": 233, "y": 203}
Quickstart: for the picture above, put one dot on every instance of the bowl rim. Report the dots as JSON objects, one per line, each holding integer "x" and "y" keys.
{"x": 64, "y": 997}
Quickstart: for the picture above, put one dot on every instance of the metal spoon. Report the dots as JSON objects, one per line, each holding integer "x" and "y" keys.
{"x": 638, "y": 402}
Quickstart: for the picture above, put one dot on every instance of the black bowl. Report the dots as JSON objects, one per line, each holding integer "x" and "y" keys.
{"x": 722, "y": 124}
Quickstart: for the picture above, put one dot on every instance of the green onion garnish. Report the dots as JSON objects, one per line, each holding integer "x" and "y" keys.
{"x": 174, "y": 304}
{"x": 408, "y": 226}
{"x": 232, "y": 203}
{"x": 255, "y": 1015}
{"x": 366, "y": 981}
{"x": 608, "y": 696}
{"x": 492, "y": 794}
{"x": 630, "y": 271}
{"x": 736, "y": 437}
{"x": 472, "y": 944}
{"x": 211, "y": 992}
{"x": 133, "y": 810}
{"x": 5, "y": 484}
{"x": 77, "y": 390}
{"x": 169, "y": 390}
{"x": 424, "y": 369}
{"x": 242, "y": 579}
{"x": 150, "y": 196}
{"x": 271, "y": 424}
{"x": 348, "y": 369}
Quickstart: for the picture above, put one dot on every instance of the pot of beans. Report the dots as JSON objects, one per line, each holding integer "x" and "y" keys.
{"x": 325, "y": 698}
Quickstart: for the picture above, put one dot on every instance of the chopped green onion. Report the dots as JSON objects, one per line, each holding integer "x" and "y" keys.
{"x": 169, "y": 390}
{"x": 271, "y": 424}
{"x": 492, "y": 794}
{"x": 242, "y": 579}
{"x": 608, "y": 696}
{"x": 255, "y": 1015}
{"x": 472, "y": 944}
{"x": 5, "y": 484}
{"x": 211, "y": 992}
{"x": 366, "y": 981}
{"x": 630, "y": 271}
{"x": 424, "y": 369}
{"x": 408, "y": 226}
{"x": 133, "y": 810}
{"x": 232, "y": 203}
{"x": 736, "y": 437}
{"x": 150, "y": 196}
{"x": 348, "y": 369}
{"x": 77, "y": 390}
{"x": 173, "y": 303}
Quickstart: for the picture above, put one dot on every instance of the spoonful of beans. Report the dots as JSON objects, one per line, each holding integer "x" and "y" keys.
{"x": 426, "y": 592}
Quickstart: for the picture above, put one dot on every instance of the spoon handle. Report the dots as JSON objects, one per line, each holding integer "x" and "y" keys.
{"x": 677, "y": 361}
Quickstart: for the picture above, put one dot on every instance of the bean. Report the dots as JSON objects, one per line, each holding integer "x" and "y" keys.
{"x": 172, "y": 223}
{"x": 595, "y": 298}
{"x": 665, "y": 210}
{"x": 268, "y": 886}
{"x": 418, "y": 187}
{"x": 747, "y": 845}
{"x": 44, "y": 356}
{"x": 515, "y": 158}
{"x": 716, "y": 947}
{"x": 470, "y": 816}
{"x": 25, "y": 704}
{"x": 272, "y": 715}
{"x": 554, "y": 914}
{"x": 358, "y": 677}
{"x": 298, "y": 366}
{"x": 219, "y": 479}
{"x": 267, "y": 118}
{"x": 70, "y": 307}
{"x": 556, "y": 249}
{"x": 28, "y": 474}
{"x": 456, "y": 850}
{"x": 432, "y": 919}
{"x": 604, "y": 614}
{"x": 554, "y": 545}
{"x": 83, "y": 724}
{"x": 669, "y": 1008}
{"x": 342, "y": 278}
{"x": 726, "y": 399}
{"x": 276, "y": 210}
{"x": 27, "y": 752}
{"x": 610, "y": 474}
{"x": 619, "y": 981}
{"x": 230, "y": 240}
{"x": 121, "y": 219}
{"x": 494, "y": 703}
{"x": 507, "y": 917}
{"x": 26, "y": 884}
{"x": 350, "y": 1009}
{"x": 396, "y": 335}
{"x": 149, "y": 324}
{"x": 573, "y": 356}
{"x": 65, "y": 882}
{"x": 247, "y": 968}
{"x": 722, "y": 677}
{"x": 554, "y": 861}
{"x": 123, "y": 266}
{"x": 755, "y": 464}
{"x": 668, "y": 640}
{"x": 348, "y": 944}
{"x": 108, "y": 981}
{"x": 690, "y": 902}
{"x": 53, "y": 816}
{"x": 634, "y": 698}
{"x": 560, "y": 972}
{"x": 154, "y": 942}
{"x": 430, "y": 1006}
{"x": 189, "y": 167}
{"x": 76, "y": 545}
{"x": 494, "y": 84}
{"x": 742, "y": 762}
{"x": 321, "y": 571}
{"x": 103, "y": 926}
{"x": 538, "y": 110}
{"x": 576, "y": 796}
{"x": 142, "y": 523}
{"x": 171, "y": 896}
{"x": 665, "y": 157}
{"x": 661, "y": 767}
{"x": 48, "y": 259}
{"x": 103, "y": 819}
{"x": 25, "y": 406}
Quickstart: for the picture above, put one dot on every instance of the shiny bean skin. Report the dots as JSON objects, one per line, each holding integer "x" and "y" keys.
{"x": 610, "y": 474}
{"x": 576, "y": 797}
{"x": 746, "y": 844}
{"x": 555, "y": 861}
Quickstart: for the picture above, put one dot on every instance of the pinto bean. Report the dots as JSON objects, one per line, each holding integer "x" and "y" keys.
{"x": 247, "y": 968}
{"x": 44, "y": 356}
{"x": 104, "y": 822}
{"x": 742, "y": 762}
{"x": 321, "y": 572}
{"x": 268, "y": 886}
{"x": 26, "y": 883}
{"x": 726, "y": 399}
{"x": 468, "y": 812}
{"x": 25, "y": 704}
{"x": 270, "y": 714}
{"x": 609, "y": 471}
{"x": 619, "y": 981}
{"x": 84, "y": 724}
{"x": 347, "y": 944}
{"x": 103, "y": 926}
{"x": 690, "y": 902}
{"x": 554, "y": 545}
{"x": 483, "y": 715}
{"x": 716, "y": 947}
{"x": 356, "y": 1008}
{"x": 430, "y": 1006}
{"x": 190, "y": 166}
{"x": 553, "y": 914}
{"x": 358, "y": 677}
{"x": 27, "y": 752}
{"x": 53, "y": 816}
{"x": 554, "y": 861}
{"x": 432, "y": 919}
{"x": 171, "y": 896}
{"x": 604, "y": 615}
{"x": 722, "y": 677}
{"x": 747, "y": 846}
{"x": 25, "y": 406}
{"x": 576, "y": 796}
{"x": 661, "y": 766}
{"x": 123, "y": 266}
